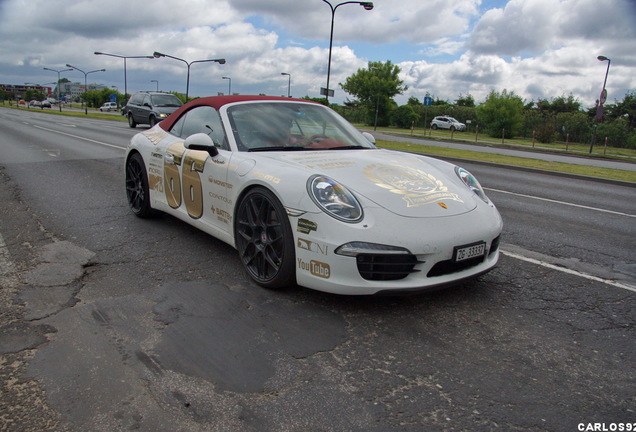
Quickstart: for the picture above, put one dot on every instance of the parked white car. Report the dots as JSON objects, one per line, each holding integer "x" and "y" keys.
{"x": 446, "y": 122}
{"x": 108, "y": 106}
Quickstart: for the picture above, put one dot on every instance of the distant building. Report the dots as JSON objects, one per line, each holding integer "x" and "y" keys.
{"x": 73, "y": 90}
{"x": 17, "y": 91}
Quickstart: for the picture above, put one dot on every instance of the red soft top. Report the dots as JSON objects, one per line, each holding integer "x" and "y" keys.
{"x": 218, "y": 101}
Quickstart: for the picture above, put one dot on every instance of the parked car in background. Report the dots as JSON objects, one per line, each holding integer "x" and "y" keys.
{"x": 150, "y": 107}
{"x": 45, "y": 104}
{"x": 108, "y": 106}
{"x": 446, "y": 122}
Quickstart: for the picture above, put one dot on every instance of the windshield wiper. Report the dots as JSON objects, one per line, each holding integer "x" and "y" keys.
{"x": 277, "y": 148}
{"x": 349, "y": 147}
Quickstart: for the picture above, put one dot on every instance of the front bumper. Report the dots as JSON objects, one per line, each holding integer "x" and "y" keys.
{"x": 431, "y": 242}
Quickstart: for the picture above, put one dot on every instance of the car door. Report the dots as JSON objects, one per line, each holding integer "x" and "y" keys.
{"x": 195, "y": 183}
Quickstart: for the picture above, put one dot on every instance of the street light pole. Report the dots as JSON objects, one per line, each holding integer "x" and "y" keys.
{"x": 123, "y": 57}
{"x": 156, "y": 81}
{"x": 366, "y": 6}
{"x": 188, "y": 64}
{"x": 601, "y": 100}
{"x": 288, "y": 83}
{"x": 85, "y": 83}
{"x": 229, "y": 88}
{"x": 59, "y": 103}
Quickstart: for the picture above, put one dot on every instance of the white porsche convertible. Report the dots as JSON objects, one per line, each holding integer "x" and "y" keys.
{"x": 307, "y": 199}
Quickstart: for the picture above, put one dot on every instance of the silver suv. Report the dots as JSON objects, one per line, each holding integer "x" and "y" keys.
{"x": 150, "y": 107}
{"x": 446, "y": 122}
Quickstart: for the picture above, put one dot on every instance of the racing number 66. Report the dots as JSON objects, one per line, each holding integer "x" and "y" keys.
{"x": 189, "y": 185}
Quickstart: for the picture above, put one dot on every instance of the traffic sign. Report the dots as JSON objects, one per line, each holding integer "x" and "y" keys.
{"x": 428, "y": 101}
{"x": 603, "y": 96}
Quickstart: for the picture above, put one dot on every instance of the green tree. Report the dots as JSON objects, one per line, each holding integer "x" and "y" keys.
{"x": 404, "y": 116}
{"x": 466, "y": 101}
{"x": 375, "y": 88}
{"x": 32, "y": 94}
{"x": 573, "y": 126}
{"x": 501, "y": 113}
{"x": 626, "y": 108}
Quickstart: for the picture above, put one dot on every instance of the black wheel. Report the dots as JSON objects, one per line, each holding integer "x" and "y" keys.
{"x": 131, "y": 121}
{"x": 137, "y": 189}
{"x": 264, "y": 239}
{"x": 434, "y": 127}
{"x": 153, "y": 121}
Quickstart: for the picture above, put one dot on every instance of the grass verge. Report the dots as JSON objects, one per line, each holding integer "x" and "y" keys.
{"x": 585, "y": 170}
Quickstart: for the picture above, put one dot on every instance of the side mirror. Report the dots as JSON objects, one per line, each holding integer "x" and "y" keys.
{"x": 203, "y": 142}
{"x": 369, "y": 137}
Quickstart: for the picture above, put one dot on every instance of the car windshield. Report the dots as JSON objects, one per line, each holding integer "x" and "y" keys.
{"x": 289, "y": 126}
{"x": 167, "y": 100}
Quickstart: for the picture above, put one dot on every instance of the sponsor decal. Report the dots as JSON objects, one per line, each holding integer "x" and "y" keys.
{"x": 312, "y": 246}
{"x": 305, "y": 226}
{"x": 155, "y": 177}
{"x": 266, "y": 177}
{"x": 156, "y": 155}
{"x": 319, "y": 160}
{"x": 415, "y": 186}
{"x": 442, "y": 205}
{"x": 216, "y": 196}
{"x": 316, "y": 268}
{"x": 220, "y": 183}
{"x": 155, "y": 136}
{"x": 221, "y": 215}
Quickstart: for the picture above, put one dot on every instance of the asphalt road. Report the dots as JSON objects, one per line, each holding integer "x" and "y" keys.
{"x": 109, "y": 322}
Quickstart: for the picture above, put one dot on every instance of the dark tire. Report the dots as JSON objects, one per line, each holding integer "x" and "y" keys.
{"x": 153, "y": 121}
{"x": 137, "y": 190}
{"x": 264, "y": 240}
{"x": 131, "y": 121}
{"x": 434, "y": 127}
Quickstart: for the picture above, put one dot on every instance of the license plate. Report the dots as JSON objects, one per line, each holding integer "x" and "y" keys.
{"x": 463, "y": 253}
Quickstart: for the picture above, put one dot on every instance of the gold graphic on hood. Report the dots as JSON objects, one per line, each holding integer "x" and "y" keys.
{"x": 416, "y": 187}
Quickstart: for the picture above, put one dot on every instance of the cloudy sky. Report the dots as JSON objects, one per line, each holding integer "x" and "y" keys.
{"x": 536, "y": 48}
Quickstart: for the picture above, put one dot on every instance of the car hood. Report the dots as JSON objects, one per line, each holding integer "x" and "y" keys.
{"x": 165, "y": 110}
{"x": 405, "y": 184}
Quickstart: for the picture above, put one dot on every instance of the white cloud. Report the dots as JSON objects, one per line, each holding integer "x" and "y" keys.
{"x": 537, "y": 48}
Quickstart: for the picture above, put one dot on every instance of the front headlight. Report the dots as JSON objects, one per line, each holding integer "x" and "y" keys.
{"x": 471, "y": 182}
{"x": 334, "y": 199}
{"x": 163, "y": 115}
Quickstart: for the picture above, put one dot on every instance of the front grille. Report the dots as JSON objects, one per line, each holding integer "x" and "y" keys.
{"x": 447, "y": 267}
{"x": 385, "y": 267}
{"x": 450, "y": 266}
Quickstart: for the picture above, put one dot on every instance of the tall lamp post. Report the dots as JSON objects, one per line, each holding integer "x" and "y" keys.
{"x": 123, "y": 57}
{"x": 85, "y": 82}
{"x": 229, "y": 87}
{"x": 156, "y": 81}
{"x": 366, "y": 6}
{"x": 158, "y": 54}
{"x": 288, "y": 83}
{"x": 601, "y": 100}
{"x": 59, "y": 104}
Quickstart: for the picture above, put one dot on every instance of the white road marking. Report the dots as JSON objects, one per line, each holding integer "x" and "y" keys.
{"x": 562, "y": 202}
{"x": 568, "y": 271}
{"x": 82, "y": 138}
